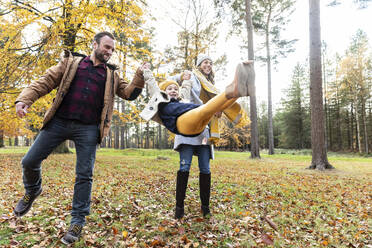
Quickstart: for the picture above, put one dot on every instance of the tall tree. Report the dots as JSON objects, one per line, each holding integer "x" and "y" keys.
{"x": 295, "y": 117}
{"x": 198, "y": 35}
{"x": 271, "y": 17}
{"x": 255, "y": 147}
{"x": 240, "y": 8}
{"x": 355, "y": 78}
{"x": 319, "y": 152}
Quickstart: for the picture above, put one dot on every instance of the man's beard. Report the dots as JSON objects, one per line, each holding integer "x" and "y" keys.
{"x": 100, "y": 56}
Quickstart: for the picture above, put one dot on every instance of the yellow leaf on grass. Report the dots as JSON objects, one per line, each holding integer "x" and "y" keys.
{"x": 125, "y": 234}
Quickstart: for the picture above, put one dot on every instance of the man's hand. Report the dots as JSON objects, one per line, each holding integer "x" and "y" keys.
{"x": 21, "y": 109}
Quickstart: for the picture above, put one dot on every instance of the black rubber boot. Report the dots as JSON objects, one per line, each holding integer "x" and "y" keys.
{"x": 182, "y": 178}
{"x": 205, "y": 192}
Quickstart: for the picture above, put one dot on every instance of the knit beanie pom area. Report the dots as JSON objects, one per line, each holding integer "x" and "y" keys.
{"x": 201, "y": 58}
{"x": 163, "y": 85}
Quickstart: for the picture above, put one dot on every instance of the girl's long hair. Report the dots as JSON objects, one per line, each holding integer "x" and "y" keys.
{"x": 210, "y": 76}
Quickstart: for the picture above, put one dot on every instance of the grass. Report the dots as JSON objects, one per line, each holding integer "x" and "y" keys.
{"x": 133, "y": 202}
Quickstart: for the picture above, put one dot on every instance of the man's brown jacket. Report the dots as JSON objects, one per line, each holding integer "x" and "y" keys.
{"x": 61, "y": 75}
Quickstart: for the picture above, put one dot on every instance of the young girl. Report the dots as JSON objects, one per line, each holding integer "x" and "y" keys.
{"x": 189, "y": 119}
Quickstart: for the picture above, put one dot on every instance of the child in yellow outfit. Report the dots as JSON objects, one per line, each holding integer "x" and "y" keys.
{"x": 188, "y": 119}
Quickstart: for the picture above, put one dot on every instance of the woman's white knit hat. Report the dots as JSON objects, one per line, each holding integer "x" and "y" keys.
{"x": 201, "y": 58}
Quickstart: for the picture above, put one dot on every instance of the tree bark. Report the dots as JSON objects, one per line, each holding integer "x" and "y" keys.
{"x": 109, "y": 141}
{"x": 365, "y": 134}
{"x": 357, "y": 125}
{"x": 62, "y": 148}
{"x": 122, "y": 128}
{"x": 319, "y": 153}
{"x": 160, "y": 145}
{"x": 269, "y": 100}
{"x": 352, "y": 127}
{"x": 255, "y": 147}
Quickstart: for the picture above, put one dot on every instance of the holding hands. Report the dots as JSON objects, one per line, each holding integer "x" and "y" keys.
{"x": 186, "y": 75}
{"x": 145, "y": 66}
{"x": 21, "y": 109}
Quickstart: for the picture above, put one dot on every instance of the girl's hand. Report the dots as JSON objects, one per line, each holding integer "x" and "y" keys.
{"x": 186, "y": 75}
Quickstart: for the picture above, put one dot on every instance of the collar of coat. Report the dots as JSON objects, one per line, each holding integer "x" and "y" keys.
{"x": 67, "y": 53}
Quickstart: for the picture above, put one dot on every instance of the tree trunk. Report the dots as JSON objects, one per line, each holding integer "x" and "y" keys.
{"x": 338, "y": 123}
{"x": 269, "y": 100}
{"x": 327, "y": 143}
{"x": 357, "y": 126}
{"x": 109, "y": 141}
{"x": 116, "y": 137}
{"x": 147, "y": 141}
{"x": 319, "y": 153}
{"x": 122, "y": 128}
{"x": 62, "y": 148}
{"x": 2, "y": 138}
{"x": 352, "y": 126}
{"x": 16, "y": 141}
{"x": 365, "y": 128}
{"x": 348, "y": 129}
{"x": 160, "y": 146}
{"x": 255, "y": 147}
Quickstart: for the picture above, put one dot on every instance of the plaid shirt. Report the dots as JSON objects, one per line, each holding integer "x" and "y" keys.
{"x": 84, "y": 100}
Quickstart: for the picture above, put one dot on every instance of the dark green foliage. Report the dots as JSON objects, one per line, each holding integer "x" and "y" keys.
{"x": 295, "y": 115}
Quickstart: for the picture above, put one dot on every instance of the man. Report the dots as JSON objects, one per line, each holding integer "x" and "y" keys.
{"x": 81, "y": 112}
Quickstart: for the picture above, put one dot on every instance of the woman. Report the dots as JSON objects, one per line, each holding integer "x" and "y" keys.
{"x": 199, "y": 146}
{"x": 188, "y": 121}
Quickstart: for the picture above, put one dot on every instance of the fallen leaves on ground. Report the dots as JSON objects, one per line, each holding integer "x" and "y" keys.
{"x": 254, "y": 203}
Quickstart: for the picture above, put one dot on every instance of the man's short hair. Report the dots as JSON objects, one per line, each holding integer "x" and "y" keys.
{"x": 98, "y": 36}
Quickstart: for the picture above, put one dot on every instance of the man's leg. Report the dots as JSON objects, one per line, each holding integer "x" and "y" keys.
{"x": 48, "y": 139}
{"x": 86, "y": 139}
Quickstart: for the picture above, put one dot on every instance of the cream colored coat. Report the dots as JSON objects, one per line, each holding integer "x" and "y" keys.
{"x": 61, "y": 75}
{"x": 150, "y": 112}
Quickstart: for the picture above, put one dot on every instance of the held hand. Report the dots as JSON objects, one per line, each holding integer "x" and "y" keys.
{"x": 186, "y": 75}
{"x": 145, "y": 65}
{"x": 218, "y": 114}
{"x": 21, "y": 109}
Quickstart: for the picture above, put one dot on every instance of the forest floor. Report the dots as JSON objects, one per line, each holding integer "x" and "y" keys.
{"x": 274, "y": 201}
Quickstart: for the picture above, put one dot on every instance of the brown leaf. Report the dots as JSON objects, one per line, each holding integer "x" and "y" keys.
{"x": 14, "y": 242}
{"x": 267, "y": 239}
{"x": 181, "y": 230}
{"x": 185, "y": 239}
{"x": 115, "y": 230}
{"x": 199, "y": 219}
{"x": 158, "y": 241}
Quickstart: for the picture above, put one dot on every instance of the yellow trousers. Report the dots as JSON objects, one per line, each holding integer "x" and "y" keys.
{"x": 194, "y": 121}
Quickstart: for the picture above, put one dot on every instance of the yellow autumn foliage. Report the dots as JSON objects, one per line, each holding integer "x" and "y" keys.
{"x": 34, "y": 33}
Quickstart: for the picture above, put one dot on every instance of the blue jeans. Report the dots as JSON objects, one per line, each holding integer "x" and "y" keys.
{"x": 202, "y": 151}
{"x": 85, "y": 138}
